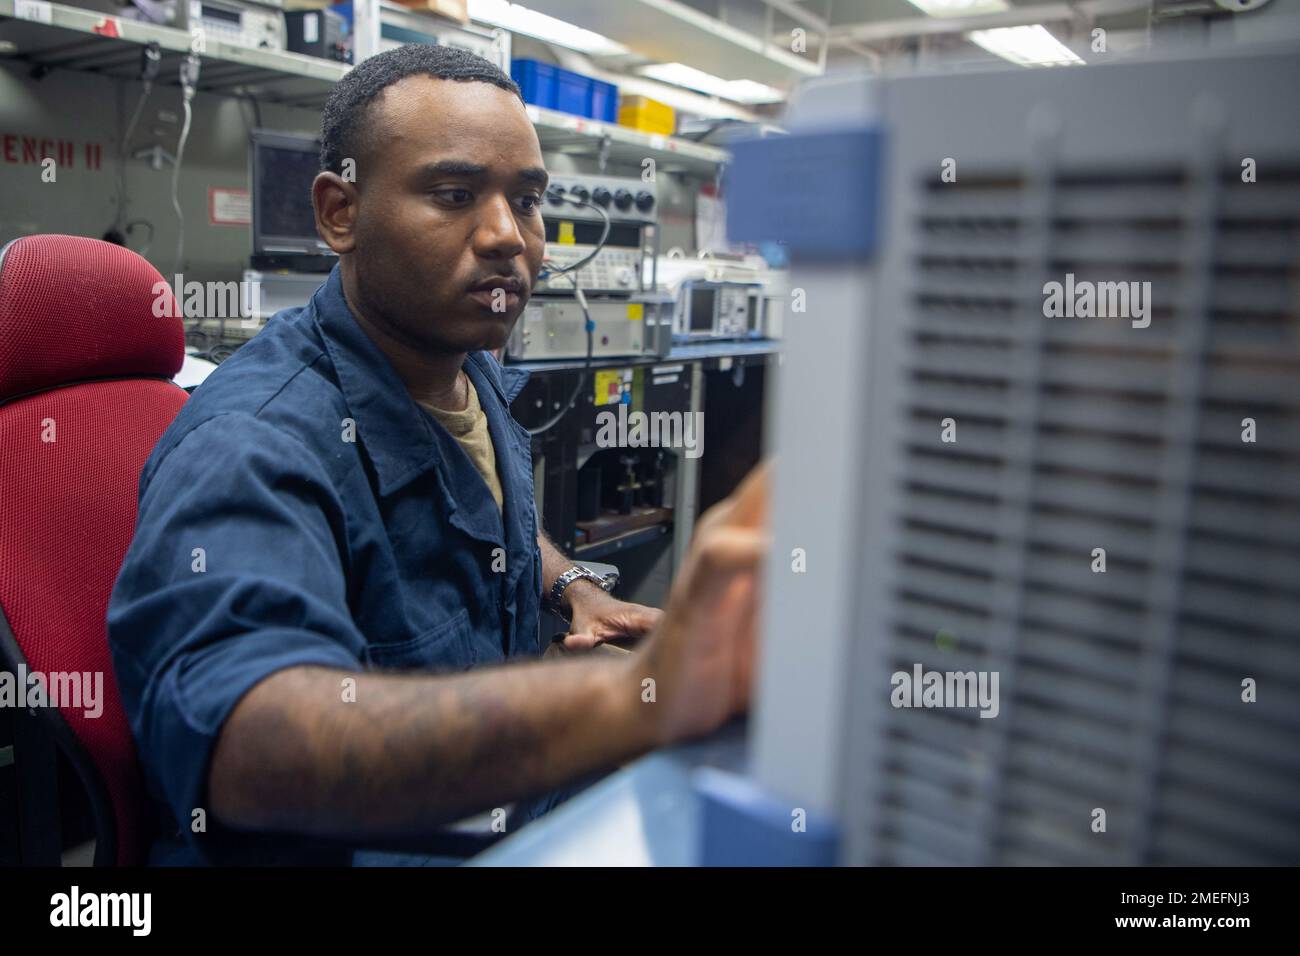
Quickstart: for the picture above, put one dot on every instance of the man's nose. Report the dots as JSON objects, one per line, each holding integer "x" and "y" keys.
{"x": 497, "y": 235}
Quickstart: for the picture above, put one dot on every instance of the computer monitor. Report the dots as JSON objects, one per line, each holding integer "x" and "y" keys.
{"x": 1034, "y": 590}
{"x": 281, "y": 169}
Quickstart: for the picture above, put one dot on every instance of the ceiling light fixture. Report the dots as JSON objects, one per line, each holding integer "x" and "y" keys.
{"x": 738, "y": 91}
{"x": 520, "y": 19}
{"x": 1025, "y": 46}
{"x": 959, "y": 8}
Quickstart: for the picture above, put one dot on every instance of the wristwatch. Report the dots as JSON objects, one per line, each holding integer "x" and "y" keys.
{"x": 605, "y": 582}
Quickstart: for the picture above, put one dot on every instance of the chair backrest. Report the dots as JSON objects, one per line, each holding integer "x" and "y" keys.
{"x": 89, "y": 340}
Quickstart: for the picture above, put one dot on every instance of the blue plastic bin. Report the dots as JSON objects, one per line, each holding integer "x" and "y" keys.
{"x": 572, "y": 92}
{"x": 536, "y": 81}
{"x": 554, "y": 87}
{"x": 604, "y": 102}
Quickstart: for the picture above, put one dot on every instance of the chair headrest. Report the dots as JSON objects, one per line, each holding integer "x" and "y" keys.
{"x": 73, "y": 309}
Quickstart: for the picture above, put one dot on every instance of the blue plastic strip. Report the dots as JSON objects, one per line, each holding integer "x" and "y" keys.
{"x": 743, "y": 825}
{"x": 817, "y": 193}
{"x": 391, "y": 31}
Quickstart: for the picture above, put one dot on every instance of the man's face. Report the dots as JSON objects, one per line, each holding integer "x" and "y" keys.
{"x": 447, "y": 238}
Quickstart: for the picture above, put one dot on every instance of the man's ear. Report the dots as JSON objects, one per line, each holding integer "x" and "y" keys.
{"x": 335, "y": 202}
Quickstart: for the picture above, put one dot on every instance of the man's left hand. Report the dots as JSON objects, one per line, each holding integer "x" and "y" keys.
{"x": 599, "y": 618}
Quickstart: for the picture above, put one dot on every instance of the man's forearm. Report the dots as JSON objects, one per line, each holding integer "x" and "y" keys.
{"x": 415, "y": 751}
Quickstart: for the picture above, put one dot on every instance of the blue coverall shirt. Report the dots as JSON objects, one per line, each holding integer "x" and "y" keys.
{"x": 303, "y": 510}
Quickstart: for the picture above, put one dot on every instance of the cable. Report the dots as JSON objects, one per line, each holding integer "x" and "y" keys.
{"x": 571, "y": 272}
{"x": 150, "y": 63}
{"x": 176, "y": 180}
{"x": 189, "y": 78}
{"x": 700, "y": 136}
{"x": 122, "y": 157}
{"x": 586, "y": 368}
{"x": 130, "y": 228}
{"x": 600, "y": 243}
{"x": 257, "y": 109}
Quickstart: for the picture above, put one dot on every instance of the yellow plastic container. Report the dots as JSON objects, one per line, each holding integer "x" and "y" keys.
{"x": 647, "y": 115}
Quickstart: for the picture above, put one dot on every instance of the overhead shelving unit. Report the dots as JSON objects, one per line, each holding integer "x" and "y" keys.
{"x": 670, "y": 31}
{"x": 51, "y": 36}
{"x": 565, "y": 133}
{"x": 55, "y": 36}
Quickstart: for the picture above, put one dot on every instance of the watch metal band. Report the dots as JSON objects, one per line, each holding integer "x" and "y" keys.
{"x": 575, "y": 573}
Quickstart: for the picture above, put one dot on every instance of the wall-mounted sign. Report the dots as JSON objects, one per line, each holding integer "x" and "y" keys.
{"x": 20, "y": 149}
{"x": 229, "y": 207}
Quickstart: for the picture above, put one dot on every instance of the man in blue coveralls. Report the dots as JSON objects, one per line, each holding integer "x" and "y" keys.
{"x": 326, "y": 629}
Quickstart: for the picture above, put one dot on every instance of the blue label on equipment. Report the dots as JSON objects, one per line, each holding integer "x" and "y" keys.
{"x": 818, "y": 193}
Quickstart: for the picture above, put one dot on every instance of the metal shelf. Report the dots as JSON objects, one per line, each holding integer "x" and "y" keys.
{"x": 93, "y": 42}
{"x": 565, "y": 133}
{"x": 629, "y": 539}
{"x": 54, "y": 36}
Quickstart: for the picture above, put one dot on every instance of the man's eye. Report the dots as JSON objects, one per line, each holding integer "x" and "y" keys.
{"x": 529, "y": 202}
{"x": 457, "y": 196}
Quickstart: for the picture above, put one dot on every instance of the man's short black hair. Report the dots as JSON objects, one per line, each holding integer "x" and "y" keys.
{"x": 344, "y": 116}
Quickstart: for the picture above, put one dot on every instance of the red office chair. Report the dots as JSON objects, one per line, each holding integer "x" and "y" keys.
{"x": 85, "y": 393}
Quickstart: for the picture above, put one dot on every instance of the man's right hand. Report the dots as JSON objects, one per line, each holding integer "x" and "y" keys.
{"x": 701, "y": 656}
